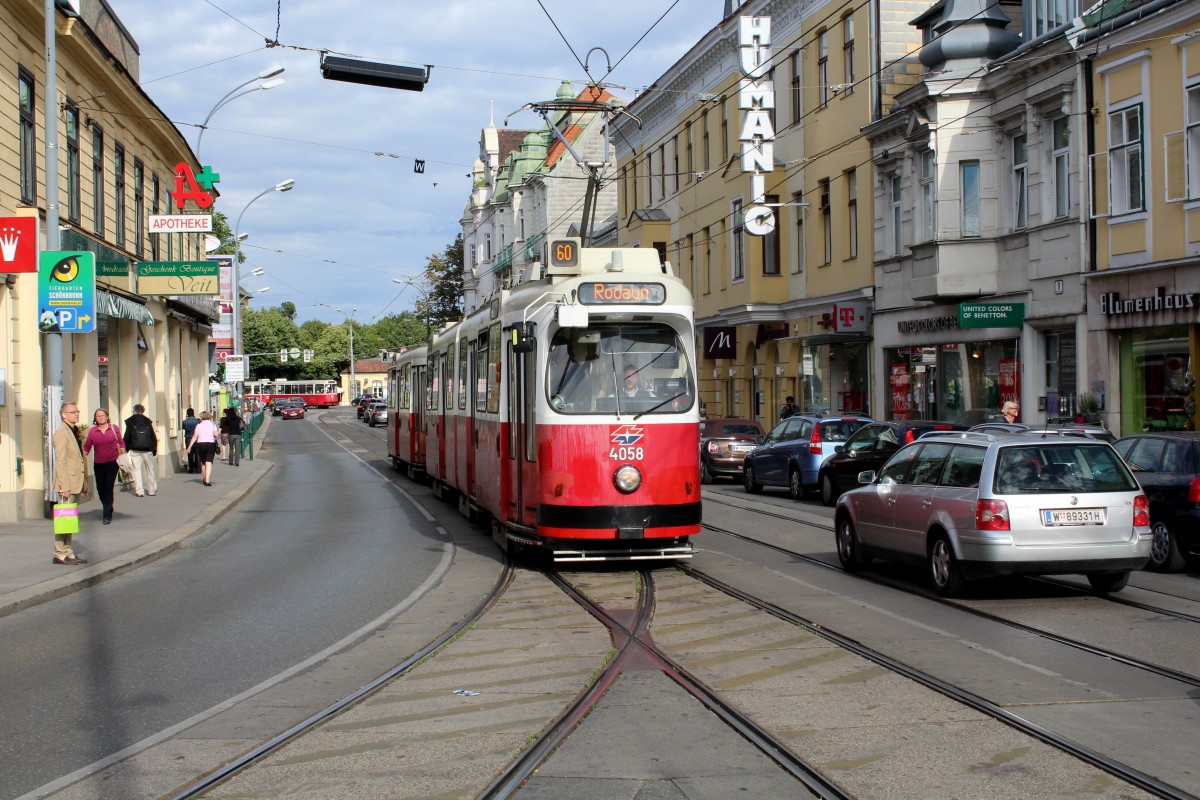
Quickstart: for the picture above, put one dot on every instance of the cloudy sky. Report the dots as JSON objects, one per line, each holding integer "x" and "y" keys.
{"x": 357, "y": 220}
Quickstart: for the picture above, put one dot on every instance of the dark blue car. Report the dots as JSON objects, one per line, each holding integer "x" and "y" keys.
{"x": 792, "y": 453}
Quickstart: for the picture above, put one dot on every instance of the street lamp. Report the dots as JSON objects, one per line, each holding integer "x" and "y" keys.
{"x": 269, "y": 81}
{"x": 424, "y": 297}
{"x": 283, "y": 186}
{"x": 352, "y": 376}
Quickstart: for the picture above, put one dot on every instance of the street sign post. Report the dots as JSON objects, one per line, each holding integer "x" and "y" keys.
{"x": 235, "y": 369}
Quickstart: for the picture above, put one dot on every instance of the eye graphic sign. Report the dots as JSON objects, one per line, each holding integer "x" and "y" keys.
{"x": 66, "y": 292}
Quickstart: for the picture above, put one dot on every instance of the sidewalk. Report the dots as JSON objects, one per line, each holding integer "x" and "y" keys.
{"x": 143, "y": 530}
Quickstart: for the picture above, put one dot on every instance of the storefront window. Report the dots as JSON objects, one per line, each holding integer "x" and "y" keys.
{"x": 1155, "y": 363}
{"x": 833, "y": 378}
{"x": 1061, "y": 401}
{"x": 963, "y": 382}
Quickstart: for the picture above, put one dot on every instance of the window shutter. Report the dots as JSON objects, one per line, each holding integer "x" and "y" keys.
{"x": 1098, "y": 178}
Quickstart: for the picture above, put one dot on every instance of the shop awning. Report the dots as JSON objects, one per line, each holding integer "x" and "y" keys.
{"x": 114, "y": 305}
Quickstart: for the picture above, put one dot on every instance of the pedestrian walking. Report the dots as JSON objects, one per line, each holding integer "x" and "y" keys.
{"x": 204, "y": 442}
{"x": 189, "y": 427}
{"x": 232, "y": 426}
{"x": 70, "y": 476}
{"x": 104, "y": 439}
{"x": 142, "y": 443}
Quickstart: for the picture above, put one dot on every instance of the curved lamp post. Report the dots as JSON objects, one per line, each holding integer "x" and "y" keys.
{"x": 236, "y": 286}
{"x": 424, "y": 296}
{"x": 269, "y": 81}
{"x": 350, "y": 316}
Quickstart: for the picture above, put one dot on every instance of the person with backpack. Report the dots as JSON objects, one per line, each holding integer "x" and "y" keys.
{"x": 232, "y": 426}
{"x": 189, "y": 427}
{"x": 142, "y": 444}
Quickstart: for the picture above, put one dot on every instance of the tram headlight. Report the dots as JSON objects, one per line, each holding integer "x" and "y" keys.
{"x": 627, "y": 478}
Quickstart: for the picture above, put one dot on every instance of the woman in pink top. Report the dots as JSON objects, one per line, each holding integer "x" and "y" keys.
{"x": 105, "y": 438}
{"x": 204, "y": 439}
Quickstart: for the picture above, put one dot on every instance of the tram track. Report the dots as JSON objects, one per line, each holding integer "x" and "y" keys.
{"x": 1116, "y": 768}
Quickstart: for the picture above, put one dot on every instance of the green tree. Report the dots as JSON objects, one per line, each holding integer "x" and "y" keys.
{"x": 269, "y": 331}
{"x": 405, "y": 329}
{"x": 443, "y": 276}
{"x": 288, "y": 309}
{"x": 224, "y": 233}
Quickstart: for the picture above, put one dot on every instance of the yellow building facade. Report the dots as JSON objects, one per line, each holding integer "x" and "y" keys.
{"x": 116, "y": 163}
{"x": 1143, "y": 311}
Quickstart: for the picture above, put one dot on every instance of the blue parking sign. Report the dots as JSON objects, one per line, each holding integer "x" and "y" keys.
{"x": 66, "y": 292}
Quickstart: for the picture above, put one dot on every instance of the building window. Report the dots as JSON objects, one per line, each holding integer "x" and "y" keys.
{"x": 826, "y": 223}
{"x": 689, "y": 163}
{"x": 675, "y": 159}
{"x": 724, "y": 132}
{"x": 852, "y": 212}
{"x": 154, "y": 200}
{"x": 737, "y": 243}
{"x": 662, "y": 171}
{"x": 71, "y": 112}
{"x": 770, "y": 242}
{"x": 98, "y": 179}
{"x": 521, "y": 223}
{"x": 1046, "y": 15}
{"x": 707, "y": 242}
{"x": 1192, "y": 137}
{"x": 28, "y": 137}
{"x": 1020, "y": 182}
{"x": 1060, "y": 131}
{"x": 1125, "y": 166}
{"x": 969, "y": 175}
{"x": 119, "y": 194}
{"x": 848, "y": 53}
{"x": 897, "y": 233}
{"x": 704, "y": 146}
{"x": 799, "y": 205}
{"x": 823, "y": 67}
{"x": 487, "y": 247}
{"x": 139, "y": 206}
{"x": 928, "y": 195}
{"x": 797, "y": 89}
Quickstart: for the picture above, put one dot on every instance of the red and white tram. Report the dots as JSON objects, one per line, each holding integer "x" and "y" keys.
{"x": 566, "y": 409}
{"x": 406, "y": 410}
{"x": 316, "y": 394}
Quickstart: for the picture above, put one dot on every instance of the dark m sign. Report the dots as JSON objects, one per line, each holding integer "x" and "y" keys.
{"x": 720, "y": 342}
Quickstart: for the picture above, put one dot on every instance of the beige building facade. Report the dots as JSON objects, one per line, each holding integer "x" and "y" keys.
{"x": 116, "y": 164}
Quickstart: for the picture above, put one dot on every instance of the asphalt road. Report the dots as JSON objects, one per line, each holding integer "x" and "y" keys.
{"x": 322, "y": 547}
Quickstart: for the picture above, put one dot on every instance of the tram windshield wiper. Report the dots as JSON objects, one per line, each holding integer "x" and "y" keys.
{"x": 657, "y": 407}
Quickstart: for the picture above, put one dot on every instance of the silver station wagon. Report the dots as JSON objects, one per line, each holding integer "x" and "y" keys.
{"x": 974, "y": 505}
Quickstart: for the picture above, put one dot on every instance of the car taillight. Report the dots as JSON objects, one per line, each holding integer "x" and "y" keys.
{"x": 1194, "y": 491}
{"x": 1141, "y": 511}
{"x": 908, "y": 436}
{"x": 991, "y": 515}
{"x": 814, "y": 444}
{"x": 713, "y": 447}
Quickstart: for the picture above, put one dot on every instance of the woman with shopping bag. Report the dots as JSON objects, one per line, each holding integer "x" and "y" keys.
{"x": 105, "y": 438}
{"x": 69, "y": 482}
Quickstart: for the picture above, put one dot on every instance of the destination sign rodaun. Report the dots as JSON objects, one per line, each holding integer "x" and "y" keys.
{"x": 597, "y": 294}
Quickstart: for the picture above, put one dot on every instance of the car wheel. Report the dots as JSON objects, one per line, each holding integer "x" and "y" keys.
{"x": 1106, "y": 582}
{"x": 849, "y": 553}
{"x": 706, "y": 476}
{"x": 795, "y": 487}
{"x": 1165, "y": 555}
{"x": 751, "y": 483}
{"x": 829, "y": 492}
{"x": 943, "y": 568}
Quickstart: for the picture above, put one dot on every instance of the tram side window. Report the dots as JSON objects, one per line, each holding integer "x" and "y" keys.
{"x": 481, "y": 354}
{"x": 448, "y": 372}
{"x": 493, "y": 373}
{"x": 462, "y": 374}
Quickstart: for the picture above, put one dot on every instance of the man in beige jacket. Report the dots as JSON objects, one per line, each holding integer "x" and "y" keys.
{"x": 70, "y": 476}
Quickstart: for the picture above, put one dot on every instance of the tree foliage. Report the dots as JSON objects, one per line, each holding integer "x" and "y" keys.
{"x": 443, "y": 274}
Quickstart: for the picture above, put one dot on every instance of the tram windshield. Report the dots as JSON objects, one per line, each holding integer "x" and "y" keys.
{"x": 638, "y": 368}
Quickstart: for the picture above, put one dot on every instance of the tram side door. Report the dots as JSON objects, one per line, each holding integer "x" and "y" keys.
{"x": 521, "y": 435}
{"x": 440, "y": 422}
{"x": 417, "y": 403}
{"x": 470, "y": 376}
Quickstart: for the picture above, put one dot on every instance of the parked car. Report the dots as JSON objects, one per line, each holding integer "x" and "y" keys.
{"x": 376, "y": 413}
{"x": 868, "y": 449}
{"x": 971, "y": 505}
{"x": 293, "y": 408}
{"x": 1167, "y": 465}
{"x": 1058, "y": 429}
{"x": 724, "y": 444}
{"x": 792, "y": 453}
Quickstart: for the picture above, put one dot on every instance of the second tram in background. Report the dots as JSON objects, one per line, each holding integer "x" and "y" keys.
{"x": 565, "y": 410}
{"x": 316, "y": 394}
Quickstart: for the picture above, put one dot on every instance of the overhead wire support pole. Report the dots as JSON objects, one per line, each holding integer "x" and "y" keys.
{"x": 52, "y": 345}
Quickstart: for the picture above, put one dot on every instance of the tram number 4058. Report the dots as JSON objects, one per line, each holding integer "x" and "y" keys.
{"x": 627, "y": 453}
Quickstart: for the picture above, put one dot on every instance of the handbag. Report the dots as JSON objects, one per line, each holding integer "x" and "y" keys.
{"x": 66, "y": 518}
{"x": 124, "y": 461}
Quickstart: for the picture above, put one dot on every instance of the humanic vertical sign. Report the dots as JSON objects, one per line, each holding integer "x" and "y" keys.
{"x": 756, "y": 99}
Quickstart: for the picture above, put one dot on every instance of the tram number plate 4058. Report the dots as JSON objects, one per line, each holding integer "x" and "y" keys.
{"x": 1072, "y": 516}
{"x": 627, "y": 454}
